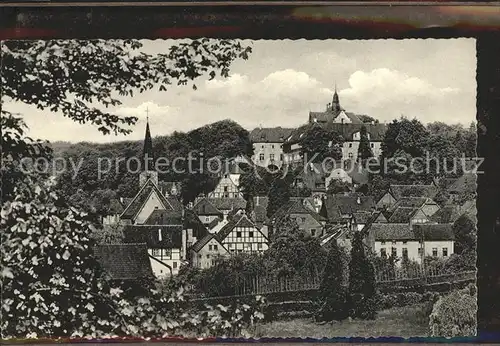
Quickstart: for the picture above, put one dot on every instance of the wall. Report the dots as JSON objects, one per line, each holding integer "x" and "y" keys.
{"x": 151, "y": 204}
{"x": 206, "y": 219}
{"x": 205, "y": 258}
{"x": 413, "y": 246}
{"x": 268, "y": 150}
{"x": 225, "y": 189}
{"x": 246, "y": 242}
{"x": 174, "y": 261}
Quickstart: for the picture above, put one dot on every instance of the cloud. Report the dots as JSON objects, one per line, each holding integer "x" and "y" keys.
{"x": 386, "y": 94}
{"x": 146, "y": 109}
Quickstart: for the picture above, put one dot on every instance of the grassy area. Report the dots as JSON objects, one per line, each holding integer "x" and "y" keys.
{"x": 403, "y": 322}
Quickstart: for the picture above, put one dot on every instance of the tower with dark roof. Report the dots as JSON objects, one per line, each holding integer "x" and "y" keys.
{"x": 335, "y": 102}
{"x": 148, "y": 166}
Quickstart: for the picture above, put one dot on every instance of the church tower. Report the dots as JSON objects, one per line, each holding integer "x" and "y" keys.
{"x": 147, "y": 162}
{"x": 335, "y": 102}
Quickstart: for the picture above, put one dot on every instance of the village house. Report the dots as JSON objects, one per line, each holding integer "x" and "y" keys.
{"x": 412, "y": 210}
{"x": 340, "y": 208}
{"x": 414, "y": 243}
{"x": 206, "y": 251}
{"x": 208, "y": 214}
{"x": 227, "y": 187}
{"x": 240, "y": 234}
{"x": 307, "y": 220}
{"x": 124, "y": 262}
{"x": 268, "y": 145}
{"x": 396, "y": 192}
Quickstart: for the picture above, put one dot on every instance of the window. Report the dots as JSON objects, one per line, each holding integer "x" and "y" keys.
{"x": 259, "y": 246}
{"x": 420, "y": 251}
{"x": 225, "y": 188}
{"x": 207, "y": 219}
{"x": 271, "y": 156}
{"x": 382, "y": 243}
{"x": 394, "y": 252}
{"x": 232, "y": 250}
{"x": 167, "y": 253}
{"x": 303, "y": 219}
{"x": 262, "y": 146}
{"x": 272, "y": 146}
{"x": 350, "y": 155}
{"x": 445, "y": 252}
{"x": 238, "y": 234}
{"x": 281, "y": 157}
{"x": 213, "y": 262}
{"x": 156, "y": 252}
{"x": 250, "y": 234}
{"x": 209, "y": 247}
{"x": 394, "y": 242}
{"x": 434, "y": 251}
{"x": 215, "y": 247}
{"x": 350, "y": 145}
{"x": 383, "y": 253}
{"x": 174, "y": 265}
{"x": 405, "y": 253}
{"x": 404, "y": 242}
{"x": 313, "y": 232}
{"x": 371, "y": 145}
{"x": 261, "y": 157}
{"x": 208, "y": 255}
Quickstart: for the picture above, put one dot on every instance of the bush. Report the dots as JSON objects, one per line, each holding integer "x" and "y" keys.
{"x": 455, "y": 314}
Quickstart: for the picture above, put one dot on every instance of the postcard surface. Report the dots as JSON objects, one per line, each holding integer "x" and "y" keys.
{"x": 235, "y": 188}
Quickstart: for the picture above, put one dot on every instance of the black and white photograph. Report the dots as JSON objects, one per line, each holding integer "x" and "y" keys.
{"x": 234, "y": 188}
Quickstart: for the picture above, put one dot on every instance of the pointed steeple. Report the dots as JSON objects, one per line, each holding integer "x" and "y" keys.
{"x": 335, "y": 101}
{"x": 147, "y": 151}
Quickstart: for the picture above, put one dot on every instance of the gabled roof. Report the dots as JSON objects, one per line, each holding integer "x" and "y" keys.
{"x": 142, "y": 196}
{"x": 213, "y": 223}
{"x": 228, "y": 203}
{"x": 164, "y": 217}
{"x": 433, "y": 232}
{"x": 447, "y": 214}
{"x": 204, "y": 207}
{"x": 337, "y": 205}
{"x": 402, "y": 215}
{"x": 238, "y": 221}
{"x": 171, "y": 235}
{"x": 412, "y": 202}
{"x": 466, "y": 183}
{"x": 203, "y": 241}
{"x": 399, "y": 191}
{"x": 295, "y": 206}
{"x": 124, "y": 261}
{"x": 392, "y": 231}
{"x": 270, "y": 134}
{"x": 330, "y": 116}
{"x": 362, "y": 217}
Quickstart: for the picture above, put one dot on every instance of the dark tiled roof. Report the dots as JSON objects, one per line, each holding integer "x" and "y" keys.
{"x": 204, "y": 207}
{"x": 338, "y": 204}
{"x": 238, "y": 221}
{"x": 392, "y": 231}
{"x": 164, "y": 217}
{"x": 171, "y": 236}
{"x": 138, "y": 201}
{"x": 202, "y": 242}
{"x": 124, "y": 261}
{"x": 330, "y": 116}
{"x": 214, "y": 223}
{"x": 295, "y": 206}
{"x": 447, "y": 214}
{"x": 228, "y": 203}
{"x": 399, "y": 191}
{"x": 402, "y": 215}
{"x": 411, "y": 202}
{"x": 270, "y": 135}
{"x": 362, "y": 217}
{"x": 376, "y": 131}
{"x": 192, "y": 221}
{"x": 433, "y": 232}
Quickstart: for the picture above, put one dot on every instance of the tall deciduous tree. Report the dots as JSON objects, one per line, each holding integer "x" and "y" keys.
{"x": 279, "y": 194}
{"x": 318, "y": 144}
{"x": 361, "y": 294}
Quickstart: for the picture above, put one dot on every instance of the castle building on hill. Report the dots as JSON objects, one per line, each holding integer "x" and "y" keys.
{"x": 336, "y": 120}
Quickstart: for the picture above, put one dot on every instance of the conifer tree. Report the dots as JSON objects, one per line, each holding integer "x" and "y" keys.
{"x": 332, "y": 293}
{"x": 361, "y": 294}
{"x": 364, "y": 150}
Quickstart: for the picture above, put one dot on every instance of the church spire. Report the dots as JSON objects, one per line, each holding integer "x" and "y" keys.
{"x": 335, "y": 101}
{"x": 147, "y": 148}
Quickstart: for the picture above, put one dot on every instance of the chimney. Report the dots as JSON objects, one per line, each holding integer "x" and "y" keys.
{"x": 121, "y": 200}
{"x": 159, "y": 234}
{"x": 359, "y": 200}
{"x": 256, "y": 200}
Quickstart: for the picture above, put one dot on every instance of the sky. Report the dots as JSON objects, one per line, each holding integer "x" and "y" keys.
{"x": 427, "y": 79}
